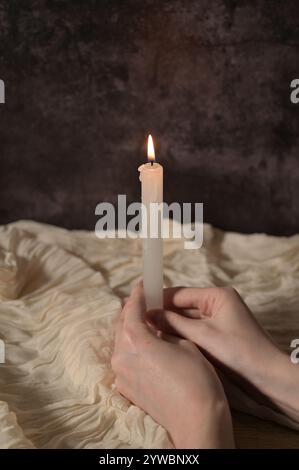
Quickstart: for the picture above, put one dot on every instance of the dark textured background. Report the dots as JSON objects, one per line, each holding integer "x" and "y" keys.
{"x": 87, "y": 80}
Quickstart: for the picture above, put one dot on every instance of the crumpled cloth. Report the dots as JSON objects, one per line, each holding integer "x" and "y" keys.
{"x": 60, "y": 294}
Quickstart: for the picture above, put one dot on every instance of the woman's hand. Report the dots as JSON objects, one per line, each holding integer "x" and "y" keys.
{"x": 220, "y": 323}
{"x": 171, "y": 380}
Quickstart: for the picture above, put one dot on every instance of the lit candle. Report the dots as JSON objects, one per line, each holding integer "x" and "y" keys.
{"x": 151, "y": 177}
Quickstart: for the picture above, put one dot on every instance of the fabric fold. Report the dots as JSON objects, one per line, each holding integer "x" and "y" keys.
{"x": 60, "y": 294}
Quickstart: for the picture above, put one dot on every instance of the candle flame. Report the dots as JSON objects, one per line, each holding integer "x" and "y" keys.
{"x": 150, "y": 149}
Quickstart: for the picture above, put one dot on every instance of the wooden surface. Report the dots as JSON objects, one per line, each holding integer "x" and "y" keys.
{"x": 254, "y": 433}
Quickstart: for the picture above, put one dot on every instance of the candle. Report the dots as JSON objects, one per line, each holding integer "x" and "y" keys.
{"x": 151, "y": 177}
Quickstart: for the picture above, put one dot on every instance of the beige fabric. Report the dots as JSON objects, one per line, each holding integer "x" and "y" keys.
{"x": 60, "y": 293}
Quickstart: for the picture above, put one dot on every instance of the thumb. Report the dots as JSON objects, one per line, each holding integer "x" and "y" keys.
{"x": 134, "y": 312}
{"x": 175, "y": 324}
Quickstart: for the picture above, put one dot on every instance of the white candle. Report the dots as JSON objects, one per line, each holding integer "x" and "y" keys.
{"x": 151, "y": 177}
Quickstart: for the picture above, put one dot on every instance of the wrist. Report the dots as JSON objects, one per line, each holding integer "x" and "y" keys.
{"x": 279, "y": 381}
{"x": 206, "y": 428}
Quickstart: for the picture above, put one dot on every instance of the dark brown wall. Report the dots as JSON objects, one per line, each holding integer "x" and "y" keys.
{"x": 86, "y": 81}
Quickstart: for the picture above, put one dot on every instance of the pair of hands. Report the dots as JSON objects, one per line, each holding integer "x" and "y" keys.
{"x": 160, "y": 362}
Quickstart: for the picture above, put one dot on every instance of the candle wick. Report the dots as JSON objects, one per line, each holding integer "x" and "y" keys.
{"x": 152, "y": 163}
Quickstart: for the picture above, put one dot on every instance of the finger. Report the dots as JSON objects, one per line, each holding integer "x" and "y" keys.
{"x": 153, "y": 328}
{"x": 137, "y": 303}
{"x": 191, "y": 298}
{"x": 181, "y": 297}
{"x": 135, "y": 310}
{"x": 175, "y": 324}
{"x": 157, "y": 317}
{"x": 189, "y": 312}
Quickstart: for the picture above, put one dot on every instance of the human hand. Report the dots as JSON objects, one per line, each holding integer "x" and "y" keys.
{"x": 221, "y": 324}
{"x": 171, "y": 380}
